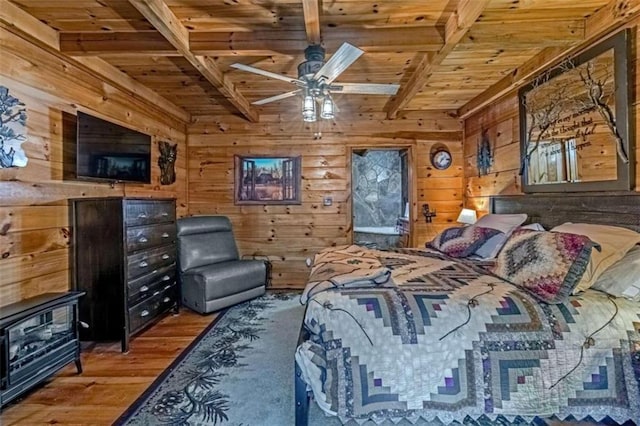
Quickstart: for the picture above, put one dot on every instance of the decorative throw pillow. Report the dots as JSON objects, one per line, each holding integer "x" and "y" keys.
{"x": 622, "y": 279}
{"x": 546, "y": 264}
{"x": 614, "y": 241}
{"x": 506, "y": 224}
{"x": 462, "y": 241}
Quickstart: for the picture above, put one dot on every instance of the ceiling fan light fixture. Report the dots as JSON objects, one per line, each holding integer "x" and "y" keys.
{"x": 309, "y": 108}
{"x": 328, "y": 111}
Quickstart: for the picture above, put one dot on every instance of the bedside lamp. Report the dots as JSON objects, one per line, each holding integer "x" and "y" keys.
{"x": 467, "y": 216}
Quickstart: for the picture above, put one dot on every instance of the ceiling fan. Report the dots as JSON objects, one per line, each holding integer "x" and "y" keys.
{"x": 316, "y": 80}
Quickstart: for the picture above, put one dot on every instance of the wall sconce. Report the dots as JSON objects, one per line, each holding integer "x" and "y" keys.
{"x": 467, "y": 216}
{"x": 428, "y": 215}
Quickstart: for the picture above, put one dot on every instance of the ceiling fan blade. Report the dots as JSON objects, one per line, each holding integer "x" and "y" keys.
{"x": 269, "y": 74}
{"x": 365, "y": 88}
{"x": 276, "y": 98}
{"x": 340, "y": 61}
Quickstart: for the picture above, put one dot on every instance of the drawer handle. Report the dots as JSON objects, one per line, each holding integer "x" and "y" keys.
{"x": 165, "y": 256}
{"x": 165, "y": 235}
{"x": 155, "y": 293}
{"x": 166, "y": 299}
{"x": 144, "y": 313}
{"x": 165, "y": 214}
{"x": 167, "y": 287}
{"x": 142, "y": 216}
{"x": 143, "y": 239}
{"x": 144, "y": 264}
{"x": 144, "y": 288}
{"x": 166, "y": 278}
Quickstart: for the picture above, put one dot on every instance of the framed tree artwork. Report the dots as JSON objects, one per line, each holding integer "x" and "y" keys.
{"x": 267, "y": 180}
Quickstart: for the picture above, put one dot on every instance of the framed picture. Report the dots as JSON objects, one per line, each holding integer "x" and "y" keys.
{"x": 267, "y": 180}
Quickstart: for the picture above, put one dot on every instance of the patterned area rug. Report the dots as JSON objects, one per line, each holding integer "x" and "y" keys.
{"x": 239, "y": 371}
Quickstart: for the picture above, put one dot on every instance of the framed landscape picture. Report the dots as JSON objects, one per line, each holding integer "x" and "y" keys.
{"x": 267, "y": 180}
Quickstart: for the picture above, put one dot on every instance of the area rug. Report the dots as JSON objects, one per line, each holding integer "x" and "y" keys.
{"x": 239, "y": 371}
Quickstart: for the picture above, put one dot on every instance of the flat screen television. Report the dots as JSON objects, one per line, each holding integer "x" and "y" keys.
{"x": 110, "y": 152}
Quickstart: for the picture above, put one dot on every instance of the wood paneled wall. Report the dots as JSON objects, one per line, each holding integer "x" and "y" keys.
{"x": 289, "y": 234}
{"x": 501, "y": 121}
{"x": 34, "y": 217}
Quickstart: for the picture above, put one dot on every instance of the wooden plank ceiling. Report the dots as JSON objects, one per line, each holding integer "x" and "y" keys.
{"x": 443, "y": 53}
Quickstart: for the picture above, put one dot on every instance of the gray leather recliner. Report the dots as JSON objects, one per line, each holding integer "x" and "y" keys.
{"x": 211, "y": 274}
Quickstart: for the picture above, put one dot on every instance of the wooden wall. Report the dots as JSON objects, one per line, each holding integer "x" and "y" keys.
{"x": 291, "y": 233}
{"x": 34, "y": 222}
{"x": 500, "y": 120}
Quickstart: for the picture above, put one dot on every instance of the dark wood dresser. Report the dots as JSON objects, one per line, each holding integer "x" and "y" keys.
{"x": 125, "y": 260}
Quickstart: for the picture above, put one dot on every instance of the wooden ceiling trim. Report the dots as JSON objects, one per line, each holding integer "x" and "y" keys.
{"x": 458, "y": 24}
{"x": 163, "y": 19}
{"x": 116, "y": 43}
{"x": 513, "y": 34}
{"x": 610, "y": 17}
{"x": 26, "y": 26}
{"x": 311, "y": 20}
{"x": 265, "y": 43}
{"x": 605, "y": 21}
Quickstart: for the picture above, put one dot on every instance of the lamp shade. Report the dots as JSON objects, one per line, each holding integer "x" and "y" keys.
{"x": 327, "y": 109}
{"x": 309, "y": 109}
{"x": 467, "y": 216}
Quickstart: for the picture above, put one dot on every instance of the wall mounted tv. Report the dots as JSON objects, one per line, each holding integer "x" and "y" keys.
{"x": 107, "y": 151}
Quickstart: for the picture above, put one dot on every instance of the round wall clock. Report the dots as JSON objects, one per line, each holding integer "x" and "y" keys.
{"x": 441, "y": 159}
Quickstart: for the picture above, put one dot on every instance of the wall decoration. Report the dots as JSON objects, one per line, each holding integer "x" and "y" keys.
{"x": 167, "y": 162}
{"x": 13, "y": 122}
{"x": 575, "y": 126}
{"x": 267, "y": 180}
{"x": 484, "y": 156}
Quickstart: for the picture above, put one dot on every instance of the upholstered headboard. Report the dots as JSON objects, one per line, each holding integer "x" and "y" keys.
{"x": 619, "y": 209}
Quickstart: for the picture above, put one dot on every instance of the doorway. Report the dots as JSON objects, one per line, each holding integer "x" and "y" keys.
{"x": 380, "y": 197}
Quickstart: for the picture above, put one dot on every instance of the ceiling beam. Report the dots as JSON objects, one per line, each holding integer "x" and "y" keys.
{"x": 116, "y": 43}
{"x": 165, "y": 21}
{"x": 458, "y": 24}
{"x": 311, "y": 20}
{"x": 608, "y": 19}
{"x": 254, "y": 43}
{"x": 26, "y": 26}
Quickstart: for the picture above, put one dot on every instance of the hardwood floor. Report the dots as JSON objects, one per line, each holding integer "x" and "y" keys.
{"x": 111, "y": 380}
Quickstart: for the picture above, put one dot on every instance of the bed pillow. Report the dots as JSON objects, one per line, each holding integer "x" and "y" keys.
{"x": 506, "y": 224}
{"x": 622, "y": 279}
{"x": 546, "y": 264}
{"x": 614, "y": 241}
{"x": 462, "y": 241}
{"x": 533, "y": 227}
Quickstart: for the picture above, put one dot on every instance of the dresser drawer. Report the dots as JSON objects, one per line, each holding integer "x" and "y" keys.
{"x": 147, "y": 261}
{"x": 143, "y": 212}
{"x": 144, "y": 237}
{"x": 147, "y": 310}
{"x": 146, "y": 285}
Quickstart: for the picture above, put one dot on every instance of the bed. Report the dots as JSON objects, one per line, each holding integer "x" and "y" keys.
{"x": 417, "y": 334}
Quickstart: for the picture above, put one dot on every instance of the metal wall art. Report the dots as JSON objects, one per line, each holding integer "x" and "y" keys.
{"x": 13, "y": 130}
{"x": 484, "y": 156}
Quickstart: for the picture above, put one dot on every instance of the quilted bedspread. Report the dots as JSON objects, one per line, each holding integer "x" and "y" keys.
{"x": 444, "y": 339}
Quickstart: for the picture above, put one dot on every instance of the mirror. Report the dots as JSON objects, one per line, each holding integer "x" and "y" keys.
{"x": 575, "y": 125}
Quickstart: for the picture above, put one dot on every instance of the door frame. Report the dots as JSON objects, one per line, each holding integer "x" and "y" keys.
{"x": 412, "y": 190}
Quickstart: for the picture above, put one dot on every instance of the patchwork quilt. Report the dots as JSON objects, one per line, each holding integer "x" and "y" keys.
{"x": 445, "y": 339}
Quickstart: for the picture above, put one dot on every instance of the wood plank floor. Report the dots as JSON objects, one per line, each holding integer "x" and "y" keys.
{"x": 111, "y": 380}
